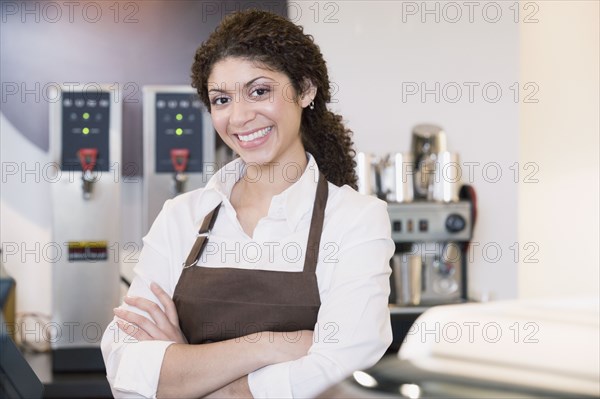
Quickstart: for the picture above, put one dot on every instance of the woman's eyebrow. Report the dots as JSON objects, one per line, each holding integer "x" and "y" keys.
{"x": 249, "y": 83}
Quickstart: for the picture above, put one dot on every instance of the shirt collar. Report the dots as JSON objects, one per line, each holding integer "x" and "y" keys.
{"x": 219, "y": 186}
{"x": 291, "y": 204}
{"x": 295, "y": 201}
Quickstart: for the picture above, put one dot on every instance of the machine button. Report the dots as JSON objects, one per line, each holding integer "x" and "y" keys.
{"x": 409, "y": 226}
{"x": 397, "y": 226}
{"x": 423, "y": 225}
{"x": 455, "y": 223}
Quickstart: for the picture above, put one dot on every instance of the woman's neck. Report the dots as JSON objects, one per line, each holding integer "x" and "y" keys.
{"x": 267, "y": 180}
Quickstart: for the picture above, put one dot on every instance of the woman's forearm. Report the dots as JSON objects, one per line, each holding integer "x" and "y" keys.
{"x": 193, "y": 371}
{"x": 238, "y": 389}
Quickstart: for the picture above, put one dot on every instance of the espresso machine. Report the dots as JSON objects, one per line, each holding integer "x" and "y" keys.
{"x": 432, "y": 218}
{"x": 429, "y": 266}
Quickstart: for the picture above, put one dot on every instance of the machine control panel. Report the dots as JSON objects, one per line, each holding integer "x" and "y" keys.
{"x": 430, "y": 221}
{"x": 178, "y": 127}
{"x": 85, "y": 125}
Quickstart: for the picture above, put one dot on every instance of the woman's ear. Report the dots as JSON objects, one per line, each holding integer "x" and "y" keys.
{"x": 310, "y": 92}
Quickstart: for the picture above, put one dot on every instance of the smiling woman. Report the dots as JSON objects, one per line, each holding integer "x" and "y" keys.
{"x": 253, "y": 114}
{"x": 209, "y": 316}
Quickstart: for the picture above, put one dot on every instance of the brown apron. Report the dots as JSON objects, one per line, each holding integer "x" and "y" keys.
{"x": 215, "y": 304}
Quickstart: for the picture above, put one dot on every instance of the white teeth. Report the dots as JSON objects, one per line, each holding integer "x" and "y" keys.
{"x": 256, "y": 135}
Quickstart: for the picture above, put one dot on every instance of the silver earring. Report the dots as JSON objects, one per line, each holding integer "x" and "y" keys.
{"x": 311, "y": 105}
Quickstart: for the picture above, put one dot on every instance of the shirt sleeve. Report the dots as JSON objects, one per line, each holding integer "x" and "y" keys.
{"x": 353, "y": 327}
{"x": 133, "y": 367}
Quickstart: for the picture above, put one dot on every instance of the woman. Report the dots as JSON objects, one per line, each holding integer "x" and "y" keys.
{"x": 283, "y": 289}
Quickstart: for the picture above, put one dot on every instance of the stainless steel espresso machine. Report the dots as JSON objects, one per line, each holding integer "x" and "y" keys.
{"x": 433, "y": 226}
{"x": 432, "y": 217}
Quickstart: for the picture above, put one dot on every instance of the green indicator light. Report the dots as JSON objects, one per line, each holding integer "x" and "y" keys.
{"x": 85, "y": 130}
{"x": 179, "y": 117}
{"x": 86, "y": 115}
{"x": 179, "y": 131}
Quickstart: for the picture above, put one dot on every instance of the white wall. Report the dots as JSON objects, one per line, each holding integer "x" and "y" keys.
{"x": 25, "y": 220}
{"x": 561, "y": 134}
{"x": 378, "y": 49}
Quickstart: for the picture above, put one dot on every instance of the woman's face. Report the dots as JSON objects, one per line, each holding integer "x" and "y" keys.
{"x": 255, "y": 111}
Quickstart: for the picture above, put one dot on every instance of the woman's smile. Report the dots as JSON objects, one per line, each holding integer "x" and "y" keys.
{"x": 254, "y": 138}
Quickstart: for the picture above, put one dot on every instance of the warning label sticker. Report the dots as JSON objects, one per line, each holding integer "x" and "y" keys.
{"x": 90, "y": 251}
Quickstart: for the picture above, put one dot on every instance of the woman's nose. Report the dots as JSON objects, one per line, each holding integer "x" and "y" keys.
{"x": 241, "y": 113}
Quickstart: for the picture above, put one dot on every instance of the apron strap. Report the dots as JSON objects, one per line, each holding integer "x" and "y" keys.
{"x": 202, "y": 240}
{"x": 316, "y": 226}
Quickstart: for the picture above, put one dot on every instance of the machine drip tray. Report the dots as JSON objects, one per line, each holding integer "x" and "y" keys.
{"x": 78, "y": 360}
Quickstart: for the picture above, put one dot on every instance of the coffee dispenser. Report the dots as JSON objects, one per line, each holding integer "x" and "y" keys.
{"x": 179, "y": 146}
{"x": 432, "y": 218}
{"x": 85, "y": 146}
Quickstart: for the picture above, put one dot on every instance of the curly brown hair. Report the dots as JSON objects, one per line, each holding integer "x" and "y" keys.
{"x": 280, "y": 45}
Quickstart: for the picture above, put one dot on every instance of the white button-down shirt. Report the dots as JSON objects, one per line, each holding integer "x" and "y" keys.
{"x": 353, "y": 328}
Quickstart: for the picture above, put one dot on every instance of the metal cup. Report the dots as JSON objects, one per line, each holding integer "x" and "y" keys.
{"x": 397, "y": 177}
{"x": 446, "y": 180}
{"x": 407, "y": 278}
{"x": 366, "y": 171}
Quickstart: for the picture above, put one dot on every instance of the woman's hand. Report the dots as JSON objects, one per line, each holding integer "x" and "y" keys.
{"x": 163, "y": 326}
{"x": 291, "y": 345}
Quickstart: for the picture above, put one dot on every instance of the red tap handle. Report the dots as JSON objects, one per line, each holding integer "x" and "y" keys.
{"x": 87, "y": 158}
{"x": 179, "y": 159}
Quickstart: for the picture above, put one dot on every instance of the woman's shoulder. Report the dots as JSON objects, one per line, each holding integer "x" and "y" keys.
{"x": 346, "y": 201}
{"x": 355, "y": 217}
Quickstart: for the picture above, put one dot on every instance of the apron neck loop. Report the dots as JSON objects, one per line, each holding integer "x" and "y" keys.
{"x": 202, "y": 240}
{"x": 316, "y": 226}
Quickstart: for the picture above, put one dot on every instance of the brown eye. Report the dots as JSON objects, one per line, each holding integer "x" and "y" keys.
{"x": 219, "y": 100}
{"x": 260, "y": 92}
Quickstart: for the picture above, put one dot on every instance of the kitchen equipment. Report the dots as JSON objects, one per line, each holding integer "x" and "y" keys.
{"x": 396, "y": 181}
{"x": 367, "y": 171}
{"x": 427, "y": 141}
{"x": 437, "y": 235}
{"x": 435, "y": 227}
{"x": 179, "y": 146}
{"x": 407, "y": 272}
{"x": 432, "y": 224}
{"x": 447, "y": 175}
{"x": 85, "y": 144}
